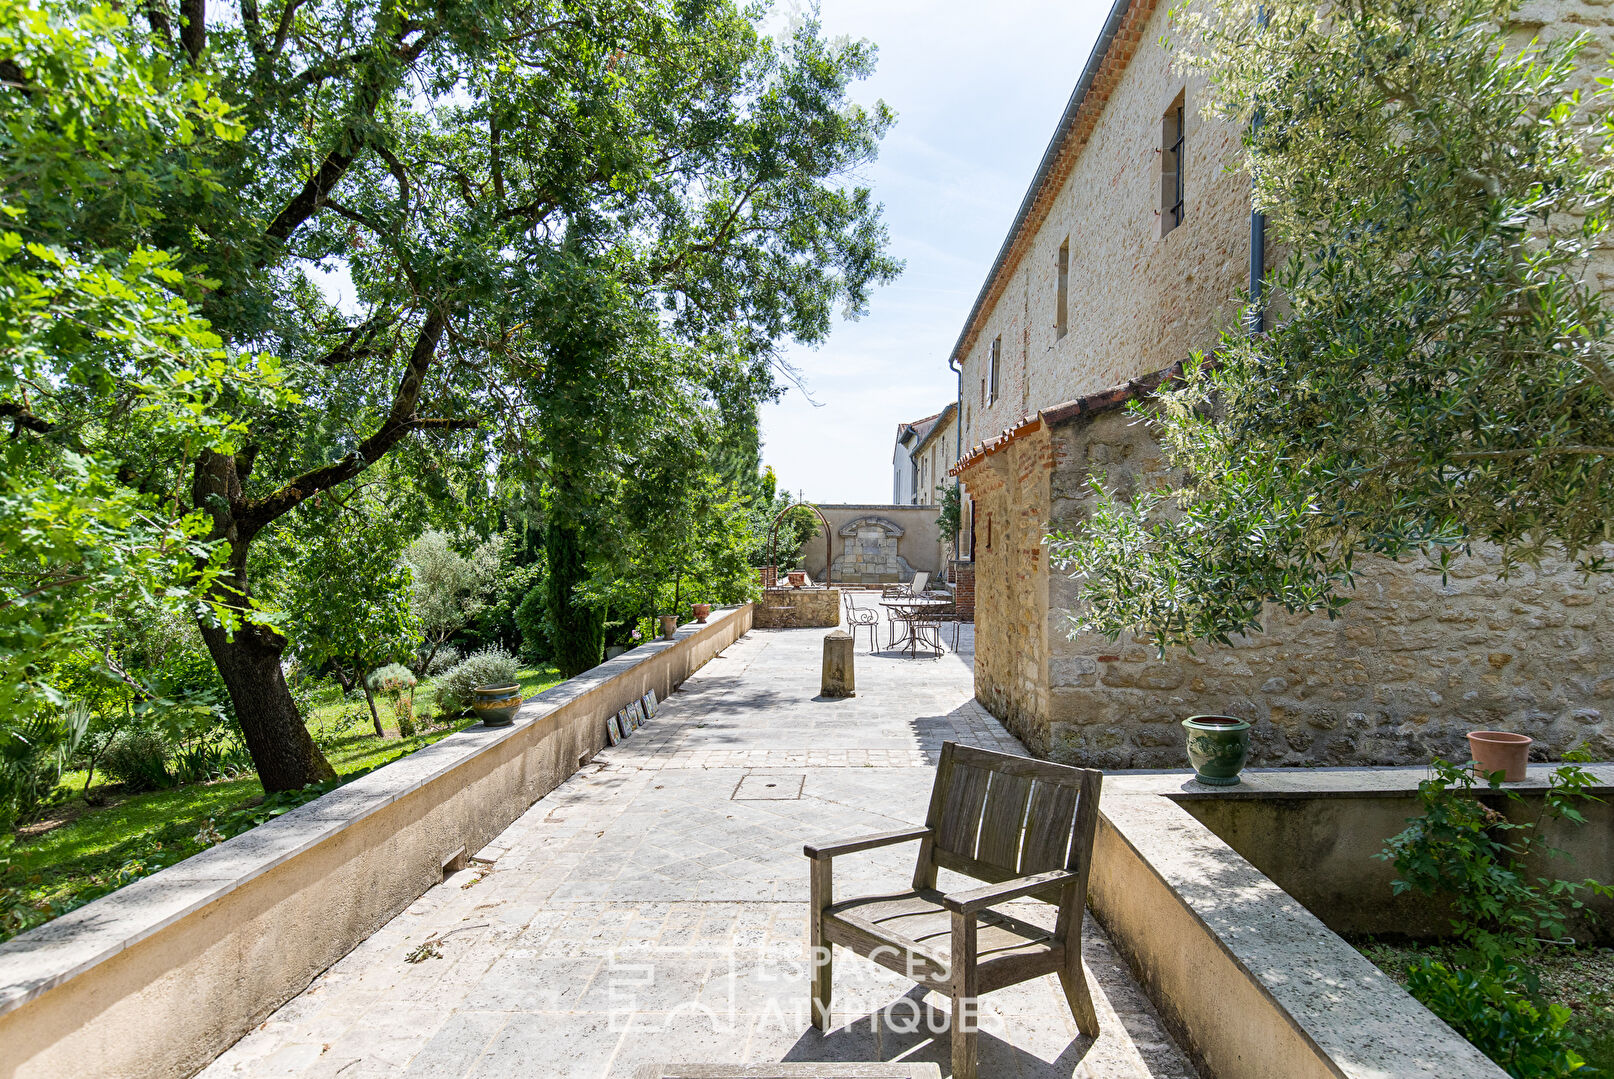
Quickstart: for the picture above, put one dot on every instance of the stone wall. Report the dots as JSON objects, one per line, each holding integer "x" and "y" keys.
{"x": 920, "y": 544}
{"x": 795, "y": 608}
{"x": 1410, "y": 666}
{"x": 158, "y": 978}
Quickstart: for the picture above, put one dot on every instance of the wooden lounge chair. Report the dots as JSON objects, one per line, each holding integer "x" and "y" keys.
{"x": 1024, "y": 825}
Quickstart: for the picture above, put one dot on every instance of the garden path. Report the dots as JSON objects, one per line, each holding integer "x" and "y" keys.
{"x": 653, "y": 907}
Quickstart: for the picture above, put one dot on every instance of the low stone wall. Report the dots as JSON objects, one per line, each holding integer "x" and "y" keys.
{"x": 1315, "y": 834}
{"x": 159, "y": 977}
{"x": 798, "y": 608}
{"x": 1252, "y": 984}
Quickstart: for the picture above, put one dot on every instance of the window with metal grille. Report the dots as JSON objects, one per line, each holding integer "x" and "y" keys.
{"x": 1173, "y": 135}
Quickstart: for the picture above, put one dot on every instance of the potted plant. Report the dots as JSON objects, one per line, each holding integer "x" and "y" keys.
{"x": 496, "y": 706}
{"x": 1217, "y": 748}
{"x": 1499, "y": 751}
{"x": 702, "y": 611}
{"x": 669, "y": 626}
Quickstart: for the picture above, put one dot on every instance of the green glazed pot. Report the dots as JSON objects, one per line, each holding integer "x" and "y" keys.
{"x": 1217, "y": 748}
{"x": 496, "y": 706}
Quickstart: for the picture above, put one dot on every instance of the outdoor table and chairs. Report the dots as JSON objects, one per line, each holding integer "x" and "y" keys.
{"x": 917, "y": 618}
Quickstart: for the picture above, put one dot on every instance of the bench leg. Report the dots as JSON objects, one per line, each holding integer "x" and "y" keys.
{"x": 1074, "y": 981}
{"x": 966, "y": 1000}
{"x": 822, "y": 958}
{"x": 965, "y": 1032}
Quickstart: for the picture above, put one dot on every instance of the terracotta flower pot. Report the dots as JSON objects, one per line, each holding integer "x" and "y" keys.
{"x": 496, "y": 706}
{"x": 669, "y": 626}
{"x": 797, "y": 579}
{"x": 1217, "y": 748}
{"x": 1499, "y": 751}
{"x": 702, "y": 611}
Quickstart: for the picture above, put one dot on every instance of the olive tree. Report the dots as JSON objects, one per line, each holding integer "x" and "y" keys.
{"x": 1437, "y": 371}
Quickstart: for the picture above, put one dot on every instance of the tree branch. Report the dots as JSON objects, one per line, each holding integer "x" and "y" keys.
{"x": 23, "y": 419}
{"x": 400, "y": 421}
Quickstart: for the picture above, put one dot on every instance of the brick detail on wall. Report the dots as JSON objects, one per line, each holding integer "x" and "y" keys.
{"x": 964, "y": 589}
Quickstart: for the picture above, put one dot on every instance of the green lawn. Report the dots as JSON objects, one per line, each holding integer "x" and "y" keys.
{"x": 101, "y": 847}
{"x": 1581, "y": 979}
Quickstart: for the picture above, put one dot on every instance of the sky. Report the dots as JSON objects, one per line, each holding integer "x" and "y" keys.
{"x": 977, "y": 88}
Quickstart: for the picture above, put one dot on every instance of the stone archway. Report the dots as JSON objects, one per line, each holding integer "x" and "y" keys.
{"x": 869, "y": 552}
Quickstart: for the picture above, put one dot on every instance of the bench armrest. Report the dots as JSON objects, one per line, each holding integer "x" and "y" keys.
{"x": 868, "y": 842}
{"x": 977, "y": 899}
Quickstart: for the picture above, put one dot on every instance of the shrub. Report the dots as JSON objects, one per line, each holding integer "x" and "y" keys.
{"x": 1493, "y": 1011}
{"x": 489, "y": 666}
{"x": 138, "y": 760}
{"x": 446, "y": 658}
{"x": 392, "y": 680}
{"x": 532, "y": 618}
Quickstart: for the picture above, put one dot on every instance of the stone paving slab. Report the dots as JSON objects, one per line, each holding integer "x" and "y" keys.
{"x": 643, "y": 913}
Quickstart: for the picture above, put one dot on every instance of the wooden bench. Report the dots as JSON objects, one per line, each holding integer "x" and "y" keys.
{"x": 1024, "y": 826}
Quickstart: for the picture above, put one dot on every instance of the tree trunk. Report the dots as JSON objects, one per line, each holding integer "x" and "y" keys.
{"x": 375, "y": 717}
{"x": 281, "y": 747}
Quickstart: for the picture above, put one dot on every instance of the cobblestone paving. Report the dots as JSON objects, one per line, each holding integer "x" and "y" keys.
{"x": 653, "y": 908}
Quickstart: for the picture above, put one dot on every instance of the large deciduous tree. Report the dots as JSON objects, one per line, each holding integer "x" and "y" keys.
{"x": 412, "y": 190}
{"x": 1437, "y": 372}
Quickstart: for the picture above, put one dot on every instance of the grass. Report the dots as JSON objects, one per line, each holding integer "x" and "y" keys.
{"x": 1581, "y": 979}
{"x": 86, "y": 847}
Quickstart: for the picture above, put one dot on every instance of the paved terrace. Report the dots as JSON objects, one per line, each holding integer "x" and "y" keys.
{"x": 654, "y": 907}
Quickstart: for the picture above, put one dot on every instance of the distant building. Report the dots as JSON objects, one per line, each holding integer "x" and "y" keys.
{"x": 914, "y": 462}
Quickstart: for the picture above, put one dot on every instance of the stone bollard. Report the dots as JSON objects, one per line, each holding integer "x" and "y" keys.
{"x": 838, "y": 680}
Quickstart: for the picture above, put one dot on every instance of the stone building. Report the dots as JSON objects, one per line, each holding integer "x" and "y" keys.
{"x": 921, "y": 456}
{"x": 1126, "y": 255}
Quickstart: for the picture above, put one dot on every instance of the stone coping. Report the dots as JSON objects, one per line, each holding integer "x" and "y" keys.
{"x": 1318, "y": 782}
{"x": 49, "y": 955}
{"x": 1253, "y": 983}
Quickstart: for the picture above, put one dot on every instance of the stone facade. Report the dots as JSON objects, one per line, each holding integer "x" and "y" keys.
{"x": 914, "y": 474}
{"x": 1137, "y": 301}
{"x": 869, "y": 553}
{"x": 1412, "y": 663}
{"x": 1410, "y": 666}
{"x": 919, "y": 545}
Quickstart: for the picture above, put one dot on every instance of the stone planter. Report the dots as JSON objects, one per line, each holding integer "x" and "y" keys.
{"x": 1499, "y": 751}
{"x": 702, "y": 611}
{"x": 1217, "y": 748}
{"x": 496, "y": 706}
{"x": 669, "y": 626}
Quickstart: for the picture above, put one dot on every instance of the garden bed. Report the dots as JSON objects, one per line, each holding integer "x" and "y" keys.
{"x": 1580, "y": 979}
{"x": 107, "y": 838}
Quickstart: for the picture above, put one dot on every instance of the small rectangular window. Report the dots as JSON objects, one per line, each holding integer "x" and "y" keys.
{"x": 992, "y": 376}
{"x": 1062, "y": 300}
{"x": 1173, "y": 135}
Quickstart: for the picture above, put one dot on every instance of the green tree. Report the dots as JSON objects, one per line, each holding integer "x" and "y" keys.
{"x": 459, "y": 162}
{"x": 448, "y": 587}
{"x": 1440, "y": 374}
{"x": 347, "y": 596}
{"x": 104, "y": 362}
